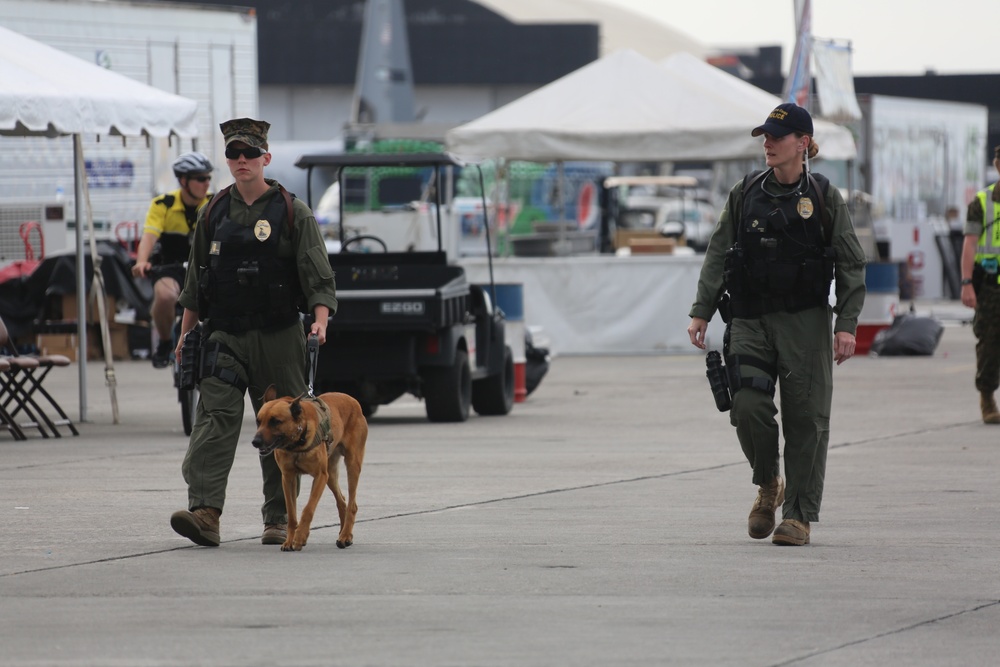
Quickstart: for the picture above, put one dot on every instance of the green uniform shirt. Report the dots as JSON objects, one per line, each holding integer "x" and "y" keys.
{"x": 850, "y": 266}
{"x": 306, "y": 245}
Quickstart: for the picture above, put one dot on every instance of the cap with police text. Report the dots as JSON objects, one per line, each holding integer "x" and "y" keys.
{"x": 249, "y": 131}
{"x": 785, "y": 119}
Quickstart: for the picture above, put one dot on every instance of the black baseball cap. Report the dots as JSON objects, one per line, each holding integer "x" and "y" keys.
{"x": 785, "y": 119}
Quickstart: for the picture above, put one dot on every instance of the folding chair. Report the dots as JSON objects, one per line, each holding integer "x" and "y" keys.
{"x": 23, "y": 381}
{"x": 6, "y": 419}
{"x": 15, "y": 399}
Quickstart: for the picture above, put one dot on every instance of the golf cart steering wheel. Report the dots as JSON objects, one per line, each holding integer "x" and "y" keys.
{"x": 362, "y": 237}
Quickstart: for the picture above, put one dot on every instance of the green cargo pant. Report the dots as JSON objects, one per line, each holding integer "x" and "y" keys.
{"x": 274, "y": 357}
{"x": 800, "y": 346}
{"x": 986, "y": 327}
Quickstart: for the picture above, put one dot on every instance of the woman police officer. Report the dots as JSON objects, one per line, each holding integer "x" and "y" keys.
{"x": 784, "y": 236}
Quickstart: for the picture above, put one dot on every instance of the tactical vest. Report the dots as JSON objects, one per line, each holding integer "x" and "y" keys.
{"x": 782, "y": 260}
{"x": 246, "y": 285}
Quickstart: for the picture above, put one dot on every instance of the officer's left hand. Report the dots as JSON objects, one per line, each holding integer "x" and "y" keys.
{"x": 319, "y": 329}
{"x": 843, "y": 346}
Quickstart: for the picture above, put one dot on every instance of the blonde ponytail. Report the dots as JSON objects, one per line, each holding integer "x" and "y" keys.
{"x": 813, "y": 149}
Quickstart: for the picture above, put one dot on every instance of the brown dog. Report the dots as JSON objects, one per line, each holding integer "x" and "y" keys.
{"x": 293, "y": 428}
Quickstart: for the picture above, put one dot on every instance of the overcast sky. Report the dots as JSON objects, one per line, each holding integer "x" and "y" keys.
{"x": 888, "y": 36}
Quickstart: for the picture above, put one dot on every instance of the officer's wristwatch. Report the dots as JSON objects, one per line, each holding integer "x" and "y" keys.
{"x": 966, "y": 281}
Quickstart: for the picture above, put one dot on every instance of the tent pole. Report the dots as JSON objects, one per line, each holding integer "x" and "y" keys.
{"x": 81, "y": 288}
{"x": 99, "y": 293}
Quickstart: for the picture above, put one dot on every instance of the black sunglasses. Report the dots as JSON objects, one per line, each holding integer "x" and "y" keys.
{"x": 200, "y": 179}
{"x": 250, "y": 153}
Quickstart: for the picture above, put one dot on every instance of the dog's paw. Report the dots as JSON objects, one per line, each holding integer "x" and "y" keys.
{"x": 291, "y": 546}
{"x": 343, "y": 544}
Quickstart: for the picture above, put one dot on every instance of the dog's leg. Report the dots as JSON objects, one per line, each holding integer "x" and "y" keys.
{"x": 302, "y": 530}
{"x": 289, "y": 484}
{"x": 333, "y": 469}
{"x": 353, "y": 458}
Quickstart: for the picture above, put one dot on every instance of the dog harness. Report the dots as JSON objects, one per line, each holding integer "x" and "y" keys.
{"x": 300, "y": 446}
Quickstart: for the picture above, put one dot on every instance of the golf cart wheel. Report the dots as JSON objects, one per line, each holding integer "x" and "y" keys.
{"x": 495, "y": 395}
{"x": 448, "y": 391}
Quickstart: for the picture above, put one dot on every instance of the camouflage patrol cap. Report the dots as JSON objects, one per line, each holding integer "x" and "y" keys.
{"x": 249, "y": 131}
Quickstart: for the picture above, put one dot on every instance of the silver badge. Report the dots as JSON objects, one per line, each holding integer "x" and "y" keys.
{"x": 805, "y": 208}
{"x": 262, "y": 230}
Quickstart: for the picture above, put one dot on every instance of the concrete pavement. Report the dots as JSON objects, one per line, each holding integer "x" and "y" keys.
{"x": 603, "y": 522}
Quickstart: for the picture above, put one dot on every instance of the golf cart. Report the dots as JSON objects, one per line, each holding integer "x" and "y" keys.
{"x": 661, "y": 206}
{"x": 407, "y": 320}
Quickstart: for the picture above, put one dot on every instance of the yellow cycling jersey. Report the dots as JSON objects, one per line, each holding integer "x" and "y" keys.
{"x": 168, "y": 215}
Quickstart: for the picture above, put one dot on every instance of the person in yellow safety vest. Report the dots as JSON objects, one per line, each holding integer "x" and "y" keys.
{"x": 981, "y": 290}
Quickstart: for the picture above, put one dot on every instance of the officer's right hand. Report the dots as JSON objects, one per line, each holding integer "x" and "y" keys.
{"x": 696, "y": 331}
{"x": 140, "y": 269}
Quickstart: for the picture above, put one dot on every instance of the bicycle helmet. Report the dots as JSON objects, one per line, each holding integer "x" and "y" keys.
{"x": 192, "y": 163}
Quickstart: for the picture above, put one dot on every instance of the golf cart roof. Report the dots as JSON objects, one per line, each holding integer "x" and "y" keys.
{"x": 378, "y": 160}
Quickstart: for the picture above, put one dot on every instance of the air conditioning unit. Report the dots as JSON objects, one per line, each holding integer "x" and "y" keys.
{"x": 29, "y": 230}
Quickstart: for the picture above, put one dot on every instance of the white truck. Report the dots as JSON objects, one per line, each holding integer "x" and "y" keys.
{"x": 208, "y": 54}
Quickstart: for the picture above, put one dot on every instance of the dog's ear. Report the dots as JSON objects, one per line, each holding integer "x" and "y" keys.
{"x": 295, "y": 408}
{"x": 270, "y": 394}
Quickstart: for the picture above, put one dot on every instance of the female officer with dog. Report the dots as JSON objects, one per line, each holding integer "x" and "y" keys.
{"x": 257, "y": 259}
{"x": 784, "y": 236}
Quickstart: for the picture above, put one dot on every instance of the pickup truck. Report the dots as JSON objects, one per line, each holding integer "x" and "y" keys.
{"x": 407, "y": 320}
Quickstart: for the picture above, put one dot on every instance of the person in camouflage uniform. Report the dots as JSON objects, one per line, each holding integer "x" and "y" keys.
{"x": 981, "y": 290}
{"x": 783, "y": 238}
{"x": 258, "y": 258}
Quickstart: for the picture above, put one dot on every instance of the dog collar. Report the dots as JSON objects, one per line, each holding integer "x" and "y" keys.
{"x": 322, "y": 430}
{"x": 300, "y": 447}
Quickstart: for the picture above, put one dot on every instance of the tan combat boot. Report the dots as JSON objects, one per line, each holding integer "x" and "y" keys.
{"x": 989, "y": 407}
{"x": 201, "y": 526}
{"x": 769, "y": 499}
{"x": 274, "y": 533}
{"x": 791, "y": 533}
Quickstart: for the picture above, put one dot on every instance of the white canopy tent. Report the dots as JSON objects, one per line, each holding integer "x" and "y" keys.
{"x": 47, "y": 92}
{"x": 625, "y": 107}
{"x": 836, "y": 142}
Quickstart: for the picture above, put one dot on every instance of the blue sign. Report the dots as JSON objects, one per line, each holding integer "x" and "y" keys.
{"x": 110, "y": 173}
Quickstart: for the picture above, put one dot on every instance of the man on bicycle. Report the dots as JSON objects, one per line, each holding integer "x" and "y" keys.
{"x": 165, "y": 244}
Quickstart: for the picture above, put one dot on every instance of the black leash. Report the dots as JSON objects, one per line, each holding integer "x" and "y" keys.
{"x": 312, "y": 347}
